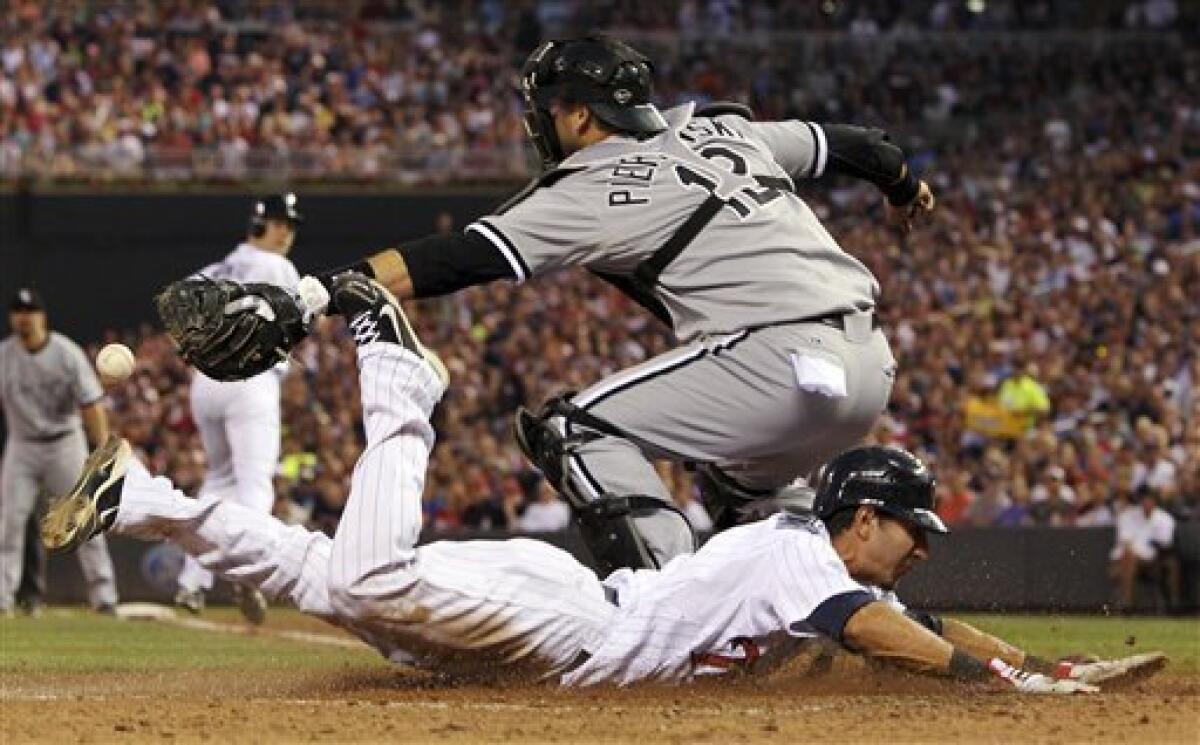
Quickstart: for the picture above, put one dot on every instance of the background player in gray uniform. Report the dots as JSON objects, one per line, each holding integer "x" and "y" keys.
{"x": 47, "y": 388}
{"x": 239, "y": 421}
{"x": 748, "y": 600}
{"x": 694, "y": 215}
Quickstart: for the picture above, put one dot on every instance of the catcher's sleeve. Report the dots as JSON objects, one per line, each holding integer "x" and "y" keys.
{"x": 439, "y": 265}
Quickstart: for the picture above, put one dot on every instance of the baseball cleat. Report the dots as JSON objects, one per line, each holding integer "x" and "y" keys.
{"x": 251, "y": 603}
{"x": 91, "y": 507}
{"x": 191, "y": 601}
{"x": 374, "y": 315}
{"x": 1134, "y": 667}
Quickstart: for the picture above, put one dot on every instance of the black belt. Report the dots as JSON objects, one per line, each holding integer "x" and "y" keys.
{"x": 611, "y": 596}
{"x": 838, "y": 320}
{"x": 49, "y": 438}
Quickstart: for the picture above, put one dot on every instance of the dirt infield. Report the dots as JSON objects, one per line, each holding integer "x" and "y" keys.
{"x": 379, "y": 705}
{"x": 365, "y": 700}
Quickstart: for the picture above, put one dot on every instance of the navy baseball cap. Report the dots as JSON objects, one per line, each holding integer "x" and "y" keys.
{"x": 27, "y": 299}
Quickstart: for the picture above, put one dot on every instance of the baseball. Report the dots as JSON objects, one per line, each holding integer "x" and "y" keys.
{"x": 115, "y": 362}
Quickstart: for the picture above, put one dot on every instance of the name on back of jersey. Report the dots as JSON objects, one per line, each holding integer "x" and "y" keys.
{"x": 631, "y": 177}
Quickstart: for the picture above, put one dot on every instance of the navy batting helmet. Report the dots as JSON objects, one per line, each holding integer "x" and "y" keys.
{"x": 275, "y": 207}
{"x": 610, "y": 77}
{"x": 891, "y": 480}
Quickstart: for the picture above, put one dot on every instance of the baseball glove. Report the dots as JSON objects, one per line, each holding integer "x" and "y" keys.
{"x": 228, "y": 330}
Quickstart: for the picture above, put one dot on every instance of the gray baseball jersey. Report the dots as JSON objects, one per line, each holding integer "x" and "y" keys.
{"x": 764, "y": 259}
{"x": 42, "y": 391}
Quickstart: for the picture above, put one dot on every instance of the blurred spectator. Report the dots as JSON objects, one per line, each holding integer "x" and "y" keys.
{"x": 1091, "y": 508}
{"x": 545, "y": 514}
{"x": 693, "y": 510}
{"x": 1017, "y": 513}
{"x": 1024, "y": 396}
{"x": 955, "y": 498}
{"x": 1145, "y": 535}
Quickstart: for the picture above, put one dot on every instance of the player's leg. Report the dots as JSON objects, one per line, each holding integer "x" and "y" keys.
{"x": 461, "y": 605}
{"x": 115, "y": 492}
{"x": 31, "y": 592}
{"x": 252, "y": 431}
{"x": 18, "y": 495}
{"x": 62, "y": 468}
{"x": 252, "y": 434}
{"x": 210, "y": 401}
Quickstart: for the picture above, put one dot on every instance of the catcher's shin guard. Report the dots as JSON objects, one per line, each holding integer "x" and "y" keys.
{"x": 636, "y": 531}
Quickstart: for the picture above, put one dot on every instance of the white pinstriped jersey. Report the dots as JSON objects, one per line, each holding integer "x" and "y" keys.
{"x": 744, "y": 598}
{"x": 765, "y": 258}
{"x": 247, "y": 263}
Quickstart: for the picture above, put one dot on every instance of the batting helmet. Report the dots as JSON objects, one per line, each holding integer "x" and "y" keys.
{"x": 274, "y": 207}
{"x": 610, "y": 77}
{"x": 891, "y": 480}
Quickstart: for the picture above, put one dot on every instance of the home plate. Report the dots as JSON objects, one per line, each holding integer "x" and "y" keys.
{"x": 145, "y": 612}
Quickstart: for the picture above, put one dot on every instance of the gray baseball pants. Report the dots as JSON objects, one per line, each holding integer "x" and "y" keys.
{"x": 32, "y": 474}
{"x": 766, "y": 406}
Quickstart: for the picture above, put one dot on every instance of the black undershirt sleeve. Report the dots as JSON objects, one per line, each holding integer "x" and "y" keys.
{"x": 869, "y": 155}
{"x": 441, "y": 264}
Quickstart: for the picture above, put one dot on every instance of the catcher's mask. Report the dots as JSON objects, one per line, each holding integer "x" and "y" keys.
{"x": 611, "y": 78}
{"x": 893, "y": 481}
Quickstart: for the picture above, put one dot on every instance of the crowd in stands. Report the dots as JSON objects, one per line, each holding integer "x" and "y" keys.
{"x": 416, "y": 91}
{"x": 1046, "y": 320}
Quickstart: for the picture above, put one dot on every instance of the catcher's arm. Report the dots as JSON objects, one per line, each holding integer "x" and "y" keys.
{"x": 881, "y": 632}
{"x": 427, "y": 267}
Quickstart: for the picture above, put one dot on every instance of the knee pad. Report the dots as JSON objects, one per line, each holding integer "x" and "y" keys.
{"x": 610, "y": 530}
{"x": 542, "y": 445}
{"x": 548, "y": 448}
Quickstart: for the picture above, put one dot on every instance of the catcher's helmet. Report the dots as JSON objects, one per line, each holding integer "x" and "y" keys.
{"x": 274, "y": 207}
{"x": 610, "y": 77}
{"x": 891, "y": 480}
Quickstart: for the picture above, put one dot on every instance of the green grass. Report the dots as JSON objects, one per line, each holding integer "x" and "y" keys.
{"x": 1051, "y": 636}
{"x": 81, "y": 642}
{"x": 84, "y": 642}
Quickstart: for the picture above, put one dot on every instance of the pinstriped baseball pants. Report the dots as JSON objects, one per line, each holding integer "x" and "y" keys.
{"x": 473, "y": 608}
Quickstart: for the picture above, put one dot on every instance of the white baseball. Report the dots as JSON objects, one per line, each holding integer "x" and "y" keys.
{"x": 115, "y": 361}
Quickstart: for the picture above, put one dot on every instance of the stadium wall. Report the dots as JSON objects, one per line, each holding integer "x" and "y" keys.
{"x": 98, "y": 257}
{"x": 972, "y": 569}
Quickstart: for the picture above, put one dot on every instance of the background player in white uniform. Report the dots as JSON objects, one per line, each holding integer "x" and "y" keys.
{"x": 695, "y": 216}
{"x": 523, "y": 607}
{"x": 50, "y": 396}
{"x": 239, "y": 421}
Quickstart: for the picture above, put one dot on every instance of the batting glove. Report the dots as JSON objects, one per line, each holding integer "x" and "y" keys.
{"x": 314, "y": 298}
{"x": 1027, "y": 682}
{"x": 1102, "y": 670}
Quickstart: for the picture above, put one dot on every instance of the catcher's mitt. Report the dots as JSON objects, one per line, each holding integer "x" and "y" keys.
{"x": 228, "y": 330}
